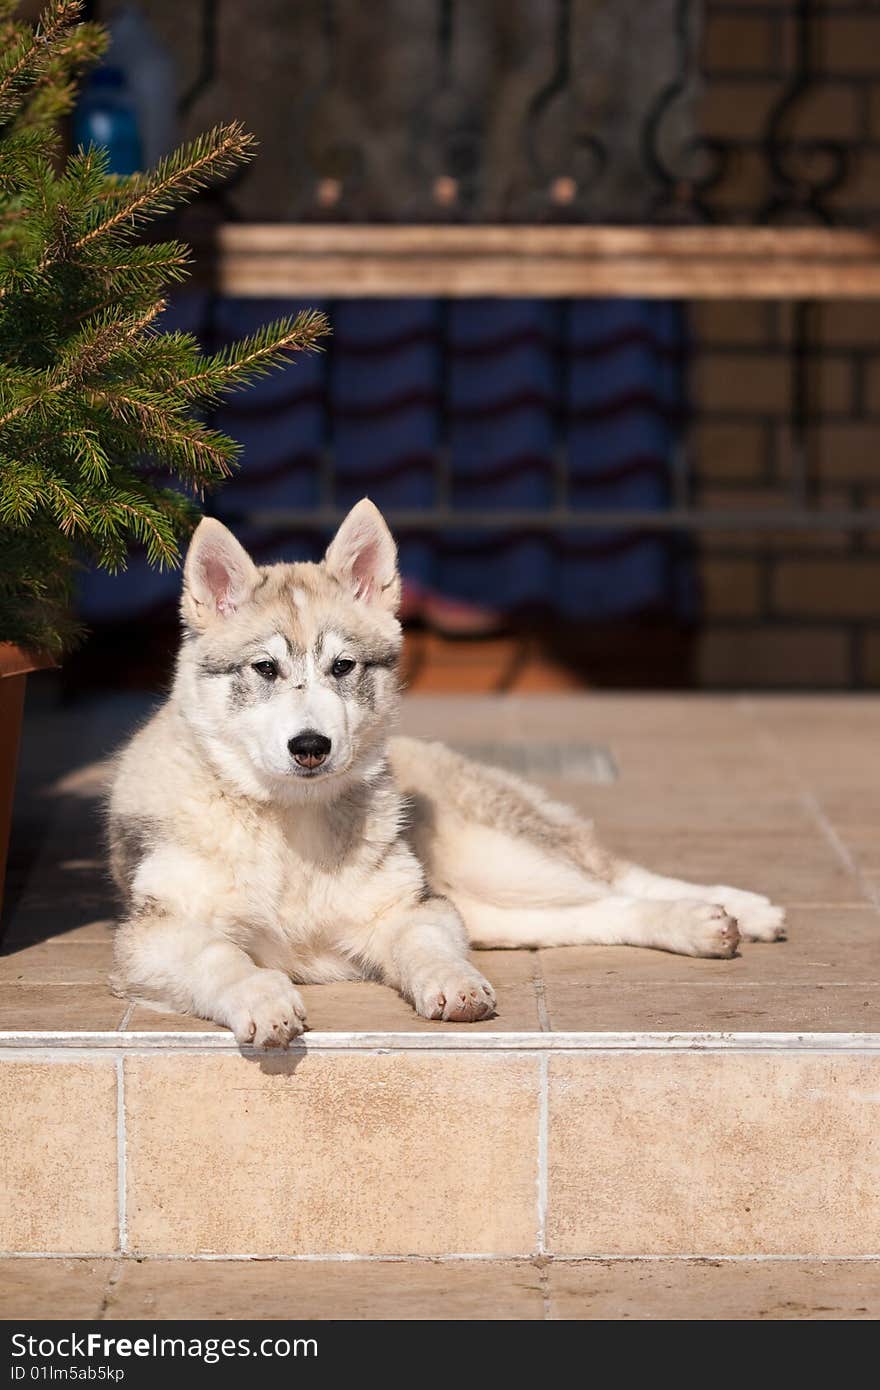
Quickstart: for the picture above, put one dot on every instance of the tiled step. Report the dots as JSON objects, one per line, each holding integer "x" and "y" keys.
{"x": 623, "y": 1103}
{"x": 447, "y": 1143}
{"x": 725, "y": 1290}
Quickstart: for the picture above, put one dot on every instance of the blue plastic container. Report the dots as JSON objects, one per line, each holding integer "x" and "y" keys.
{"x": 105, "y": 116}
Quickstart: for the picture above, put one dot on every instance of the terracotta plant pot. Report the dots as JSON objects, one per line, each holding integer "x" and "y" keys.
{"x": 15, "y": 663}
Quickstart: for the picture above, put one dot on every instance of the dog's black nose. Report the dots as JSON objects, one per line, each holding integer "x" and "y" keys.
{"x": 309, "y": 749}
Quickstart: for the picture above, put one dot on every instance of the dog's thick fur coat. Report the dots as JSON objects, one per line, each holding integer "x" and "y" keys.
{"x": 264, "y": 828}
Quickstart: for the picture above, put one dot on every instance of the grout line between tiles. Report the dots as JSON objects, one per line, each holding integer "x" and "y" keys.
{"x": 544, "y": 1285}
{"x": 113, "y": 1279}
{"x": 836, "y": 844}
{"x": 850, "y": 905}
{"x": 652, "y": 982}
{"x": 541, "y": 1177}
{"x": 121, "y": 1158}
{"x": 540, "y": 989}
{"x": 811, "y": 804}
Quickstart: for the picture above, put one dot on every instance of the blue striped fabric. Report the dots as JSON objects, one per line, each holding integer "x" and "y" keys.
{"x": 505, "y": 391}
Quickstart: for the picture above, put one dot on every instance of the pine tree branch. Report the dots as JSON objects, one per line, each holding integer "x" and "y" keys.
{"x": 96, "y": 344}
{"x": 67, "y": 508}
{"x": 94, "y": 465}
{"x": 53, "y": 93}
{"x": 206, "y": 453}
{"x": 146, "y": 522}
{"x": 24, "y": 65}
{"x": 21, "y": 148}
{"x": 90, "y": 351}
{"x": 147, "y": 270}
{"x": 183, "y": 173}
{"x": 94, "y": 403}
{"x": 141, "y": 197}
{"x": 170, "y": 259}
{"x": 256, "y": 355}
{"x": 21, "y": 493}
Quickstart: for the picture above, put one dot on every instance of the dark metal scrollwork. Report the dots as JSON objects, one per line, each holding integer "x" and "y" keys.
{"x": 563, "y": 193}
{"x": 339, "y": 164}
{"x": 804, "y": 172}
{"x": 683, "y": 187}
{"x": 207, "y": 69}
{"x": 457, "y": 140}
{"x": 205, "y": 77}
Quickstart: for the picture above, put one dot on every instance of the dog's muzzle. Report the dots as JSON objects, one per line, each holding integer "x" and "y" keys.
{"x": 309, "y": 749}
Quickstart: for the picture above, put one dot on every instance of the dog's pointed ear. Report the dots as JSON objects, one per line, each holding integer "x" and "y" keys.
{"x": 362, "y": 555}
{"x": 218, "y": 576}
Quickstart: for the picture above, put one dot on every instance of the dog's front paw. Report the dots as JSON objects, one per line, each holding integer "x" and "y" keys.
{"x": 263, "y": 1009}
{"x": 456, "y": 993}
{"x": 757, "y": 917}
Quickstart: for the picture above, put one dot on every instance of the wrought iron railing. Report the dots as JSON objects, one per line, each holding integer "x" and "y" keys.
{"x": 560, "y": 232}
{"x": 444, "y": 157}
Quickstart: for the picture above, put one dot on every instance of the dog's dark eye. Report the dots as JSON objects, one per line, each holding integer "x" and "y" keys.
{"x": 267, "y": 669}
{"x": 341, "y": 666}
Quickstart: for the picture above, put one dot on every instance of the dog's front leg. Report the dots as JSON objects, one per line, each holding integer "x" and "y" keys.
{"x": 421, "y": 950}
{"x": 187, "y": 967}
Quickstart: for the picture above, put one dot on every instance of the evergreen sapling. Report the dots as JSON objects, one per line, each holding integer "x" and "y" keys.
{"x": 96, "y": 403}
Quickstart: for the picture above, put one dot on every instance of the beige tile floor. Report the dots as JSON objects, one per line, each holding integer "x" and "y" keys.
{"x": 781, "y": 795}
{"x": 776, "y": 794}
{"x": 449, "y": 1290}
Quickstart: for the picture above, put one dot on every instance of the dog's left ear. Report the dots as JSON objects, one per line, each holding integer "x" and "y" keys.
{"x": 362, "y": 555}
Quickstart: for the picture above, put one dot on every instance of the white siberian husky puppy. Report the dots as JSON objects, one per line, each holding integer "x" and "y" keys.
{"x": 265, "y": 829}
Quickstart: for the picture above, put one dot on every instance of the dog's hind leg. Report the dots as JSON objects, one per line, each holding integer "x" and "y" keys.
{"x": 512, "y": 891}
{"x": 686, "y": 926}
{"x": 757, "y": 917}
{"x": 530, "y": 884}
{"x": 512, "y": 887}
{"x": 525, "y": 870}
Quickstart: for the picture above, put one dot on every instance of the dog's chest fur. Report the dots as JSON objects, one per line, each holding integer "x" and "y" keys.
{"x": 292, "y": 885}
{"x": 321, "y": 873}
{"x": 294, "y": 892}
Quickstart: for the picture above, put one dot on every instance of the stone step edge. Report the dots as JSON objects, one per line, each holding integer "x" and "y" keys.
{"x": 526, "y": 1257}
{"x": 447, "y": 1040}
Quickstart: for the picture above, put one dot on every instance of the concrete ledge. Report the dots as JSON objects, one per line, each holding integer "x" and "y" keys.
{"x": 453, "y": 1040}
{"x": 398, "y": 1289}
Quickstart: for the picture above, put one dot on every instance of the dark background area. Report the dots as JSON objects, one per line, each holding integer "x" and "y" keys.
{"x": 588, "y": 111}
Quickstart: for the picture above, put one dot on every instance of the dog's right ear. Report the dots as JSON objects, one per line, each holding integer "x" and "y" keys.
{"x": 218, "y": 576}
